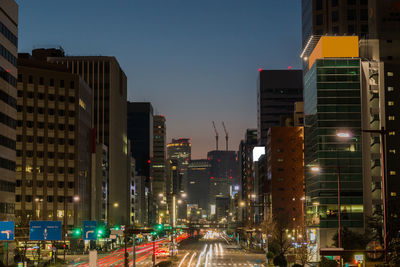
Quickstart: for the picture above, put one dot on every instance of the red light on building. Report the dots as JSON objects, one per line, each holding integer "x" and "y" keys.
{"x": 149, "y": 161}
{"x": 230, "y": 177}
{"x": 290, "y": 67}
{"x": 212, "y": 177}
{"x": 219, "y": 160}
{"x": 260, "y": 70}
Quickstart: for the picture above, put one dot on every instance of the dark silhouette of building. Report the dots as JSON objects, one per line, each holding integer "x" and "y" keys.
{"x": 198, "y": 182}
{"x": 278, "y": 90}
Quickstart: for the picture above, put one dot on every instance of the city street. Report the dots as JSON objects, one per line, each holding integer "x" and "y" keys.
{"x": 215, "y": 252}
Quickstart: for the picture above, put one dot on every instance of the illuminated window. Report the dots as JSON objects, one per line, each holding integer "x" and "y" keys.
{"x": 390, "y": 74}
{"x": 393, "y": 194}
{"x": 280, "y": 160}
{"x": 390, "y": 89}
{"x": 392, "y": 133}
{"x": 391, "y": 118}
{"x": 391, "y": 103}
{"x": 392, "y": 172}
{"x": 392, "y": 151}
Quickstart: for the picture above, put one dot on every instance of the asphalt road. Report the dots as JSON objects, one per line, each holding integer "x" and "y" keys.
{"x": 216, "y": 252}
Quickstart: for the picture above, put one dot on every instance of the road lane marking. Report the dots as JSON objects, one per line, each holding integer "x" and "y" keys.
{"x": 183, "y": 259}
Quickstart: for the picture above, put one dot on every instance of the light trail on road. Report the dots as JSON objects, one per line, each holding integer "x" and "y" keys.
{"x": 191, "y": 259}
{"x": 183, "y": 259}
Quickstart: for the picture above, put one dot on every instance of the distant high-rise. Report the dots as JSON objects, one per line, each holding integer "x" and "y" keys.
{"x": 8, "y": 106}
{"x": 109, "y": 93}
{"x": 53, "y": 143}
{"x": 198, "y": 182}
{"x": 180, "y": 149}
{"x": 223, "y": 171}
{"x": 158, "y": 164}
{"x": 278, "y": 90}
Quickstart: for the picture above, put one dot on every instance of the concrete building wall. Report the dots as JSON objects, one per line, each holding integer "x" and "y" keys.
{"x": 8, "y": 111}
{"x": 53, "y": 144}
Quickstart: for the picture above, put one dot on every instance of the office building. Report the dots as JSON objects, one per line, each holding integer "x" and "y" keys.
{"x": 140, "y": 133}
{"x": 298, "y": 116}
{"x": 332, "y": 107}
{"x": 8, "y": 105}
{"x": 99, "y": 182}
{"x": 109, "y": 93}
{"x": 181, "y": 149}
{"x": 53, "y": 144}
{"x": 285, "y": 177}
{"x": 380, "y": 76}
{"x": 278, "y": 90}
{"x": 336, "y": 17}
{"x": 8, "y": 111}
{"x": 245, "y": 168}
{"x": 198, "y": 183}
{"x": 158, "y": 164}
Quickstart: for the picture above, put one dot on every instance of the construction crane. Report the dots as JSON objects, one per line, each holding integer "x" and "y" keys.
{"x": 216, "y": 134}
{"x": 226, "y": 135}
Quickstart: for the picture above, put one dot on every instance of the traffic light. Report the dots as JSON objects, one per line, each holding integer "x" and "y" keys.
{"x": 160, "y": 227}
{"x": 153, "y": 233}
{"x": 77, "y": 232}
{"x": 117, "y": 227}
{"x": 100, "y": 231}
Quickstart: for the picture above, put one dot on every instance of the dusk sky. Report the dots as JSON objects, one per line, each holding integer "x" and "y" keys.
{"x": 195, "y": 61}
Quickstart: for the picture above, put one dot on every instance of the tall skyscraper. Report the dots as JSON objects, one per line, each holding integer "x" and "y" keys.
{"x": 53, "y": 144}
{"x": 278, "y": 90}
{"x": 140, "y": 133}
{"x": 180, "y": 149}
{"x": 332, "y": 108}
{"x": 336, "y": 17}
{"x": 8, "y": 106}
{"x": 158, "y": 164}
{"x": 109, "y": 94}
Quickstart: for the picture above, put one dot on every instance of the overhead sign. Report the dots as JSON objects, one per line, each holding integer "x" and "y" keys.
{"x": 45, "y": 230}
{"x": 89, "y": 230}
{"x": 6, "y": 230}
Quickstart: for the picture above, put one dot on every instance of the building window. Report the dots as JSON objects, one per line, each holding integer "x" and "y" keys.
{"x": 320, "y": 19}
{"x": 390, "y": 74}
{"x": 391, "y": 118}
{"x": 392, "y": 172}
{"x": 351, "y": 29}
{"x": 391, "y": 103}
{"x": 335, "y": 3}
{"x": 335, "y": 16}
{"x": 30, "y": 79}
{"x": 364, "y": 14}
{"x": 51, "y": 82}
{"x": 393, "y": 194}
{"x": 319, "y": 5}
{"x": 351, "y": 2}
{"x": 393, "y": 151}
{"x": 351, "y": 14}
{"x": 41, "y": 80}
{"x": 392, "y": 133}
{"x": 62, "y": 83}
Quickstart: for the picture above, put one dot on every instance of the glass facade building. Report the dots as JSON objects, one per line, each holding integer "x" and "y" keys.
{"x": 332, "y": 104}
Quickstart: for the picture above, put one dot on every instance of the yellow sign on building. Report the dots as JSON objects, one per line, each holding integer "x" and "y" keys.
{"x": 334, "y": 47}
